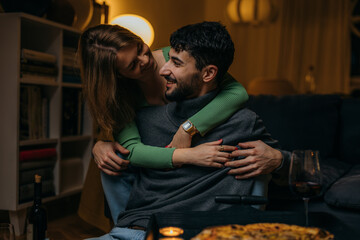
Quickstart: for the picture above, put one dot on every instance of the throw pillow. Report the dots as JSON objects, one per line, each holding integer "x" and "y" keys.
{"x": 345, "y": 192}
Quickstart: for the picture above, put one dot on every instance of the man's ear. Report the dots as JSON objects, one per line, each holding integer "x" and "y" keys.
{"x": 209, "y": 73}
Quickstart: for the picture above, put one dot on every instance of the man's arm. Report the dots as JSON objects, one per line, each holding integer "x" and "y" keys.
{"x": 261, "y": 156}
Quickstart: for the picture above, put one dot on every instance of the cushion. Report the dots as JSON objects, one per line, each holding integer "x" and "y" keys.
{"x": 332, "y": 170}
{"x": 349, "y": 146}
{"x": 300, "y": 121}
{"x": 345, "y": 192}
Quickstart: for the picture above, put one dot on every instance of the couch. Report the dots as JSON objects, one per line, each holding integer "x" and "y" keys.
{"x": 330, "y": 124}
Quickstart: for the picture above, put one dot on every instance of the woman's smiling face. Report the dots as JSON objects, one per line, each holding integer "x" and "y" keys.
{"x": 135, "y": 61}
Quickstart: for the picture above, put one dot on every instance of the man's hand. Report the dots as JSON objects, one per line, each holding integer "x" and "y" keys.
{"x": 106, "y": 159}
{"x": 259, "y": 159}
{"x": 181, "y": 139}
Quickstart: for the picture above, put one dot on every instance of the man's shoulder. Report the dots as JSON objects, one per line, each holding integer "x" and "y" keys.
{"x": 241, "y": 122}
{"x": 243, "y": 114}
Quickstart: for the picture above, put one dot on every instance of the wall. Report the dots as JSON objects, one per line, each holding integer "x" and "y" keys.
{"x": 252, "y": 44}
{"x": 165, "y": 15}
{"x": 304, "y": 33}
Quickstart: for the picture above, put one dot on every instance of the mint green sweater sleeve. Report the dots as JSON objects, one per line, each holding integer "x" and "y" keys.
{"x": 143, "y": 155}
{"x": 230, "y": 99}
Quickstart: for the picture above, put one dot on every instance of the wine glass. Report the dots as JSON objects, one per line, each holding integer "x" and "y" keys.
{"x": 7, "y": 231}
{"x": 305, "y": 177}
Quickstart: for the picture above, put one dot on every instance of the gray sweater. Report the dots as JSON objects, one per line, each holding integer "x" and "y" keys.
{"x": 189, "y": 187}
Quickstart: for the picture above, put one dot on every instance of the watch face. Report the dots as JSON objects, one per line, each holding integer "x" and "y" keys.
{"x": 187, "y": 126}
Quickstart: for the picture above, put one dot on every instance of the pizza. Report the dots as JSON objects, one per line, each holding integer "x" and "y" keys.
{"x": 263, "y": 231}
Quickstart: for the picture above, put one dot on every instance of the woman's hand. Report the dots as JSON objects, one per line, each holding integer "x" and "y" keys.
{"x": 181, "y": 139}
{"x": 106, "y": 158}
{"x": 210, "y": 154}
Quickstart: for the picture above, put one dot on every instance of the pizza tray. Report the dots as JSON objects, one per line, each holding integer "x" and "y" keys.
{"x": 193, "y": 222}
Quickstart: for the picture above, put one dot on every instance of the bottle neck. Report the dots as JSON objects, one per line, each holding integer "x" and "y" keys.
{"x": 37, "y": 194}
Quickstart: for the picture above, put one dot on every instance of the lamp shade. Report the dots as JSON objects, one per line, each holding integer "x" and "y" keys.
{"x": 249, "y": 11}
{"x": 138, "y": 25}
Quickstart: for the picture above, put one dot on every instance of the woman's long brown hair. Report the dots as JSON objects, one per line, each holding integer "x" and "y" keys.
{"x": 111, "y": 98}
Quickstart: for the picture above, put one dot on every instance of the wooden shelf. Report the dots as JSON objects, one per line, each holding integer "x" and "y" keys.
{"x": 40, "y": 82}
{"x": 76, "y": 138}
{"x": 21, "y": 83}
{"x": 38, "y": 142}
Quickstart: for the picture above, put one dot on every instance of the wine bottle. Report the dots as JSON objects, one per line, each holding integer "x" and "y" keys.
{"x": 310, "y": 84}
{"x": 37, "y": 220}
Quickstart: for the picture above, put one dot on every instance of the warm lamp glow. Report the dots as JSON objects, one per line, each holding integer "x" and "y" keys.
{"x": 249, "y": 11}
{"x": 233, "y": 11}
{"x": 138, "y": 25}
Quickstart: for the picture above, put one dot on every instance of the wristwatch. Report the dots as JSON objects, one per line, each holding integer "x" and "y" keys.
{"x": 189, "y": 128}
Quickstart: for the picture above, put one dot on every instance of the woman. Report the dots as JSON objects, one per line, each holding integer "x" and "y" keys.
{"x": 120, "y": 74}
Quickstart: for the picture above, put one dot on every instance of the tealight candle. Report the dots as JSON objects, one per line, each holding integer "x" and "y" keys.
{"x": 171, "y": 238}
{"x": 171, "y": 231}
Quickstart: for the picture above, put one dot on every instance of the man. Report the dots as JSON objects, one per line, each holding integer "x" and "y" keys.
{"x": 200, "y": 55}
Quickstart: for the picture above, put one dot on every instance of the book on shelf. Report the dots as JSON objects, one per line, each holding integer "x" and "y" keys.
{"x": 35, "y": 101}
{"x": 72, "y": 117}
{"x": 45, "y": 117}
{"x": 36, "y": 164}
{"x": 71, "y": 70}
{"x": 34, "y": 113}
{"x": 71, "y": 78}
{"x": 69, "y": 57}
{"x": 30, "y": 113}
{"x": 37, "y": 56}
{"x": 36, "y": 77}
{"x": 24, "y": 114}
{"x": 71, "y": 74}
{"x": 46, "y": 70}
{"x": 37, "y": 154}
{"x": 70, "y": 61}
{"x": 26, "y": 191}
{"x": 36, "y": 62}
{"x": 27, "y": 176}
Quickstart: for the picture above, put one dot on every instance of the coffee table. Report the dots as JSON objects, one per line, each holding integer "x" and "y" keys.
{"x": 192, "y": 222}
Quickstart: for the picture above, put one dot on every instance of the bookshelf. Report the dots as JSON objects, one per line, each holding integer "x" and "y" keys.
{"x": 42, "y": 111}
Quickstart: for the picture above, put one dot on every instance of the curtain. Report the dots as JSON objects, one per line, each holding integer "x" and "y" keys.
{"x": 316, "y": 33}
{"x": 304, "y": 33}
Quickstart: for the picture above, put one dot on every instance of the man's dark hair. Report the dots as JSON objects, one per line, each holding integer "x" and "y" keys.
{"x": 207, "y": 42}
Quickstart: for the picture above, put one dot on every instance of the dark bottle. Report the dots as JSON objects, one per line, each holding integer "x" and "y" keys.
{"x": 310, "y": 84}
{"x": 37, "y": 220}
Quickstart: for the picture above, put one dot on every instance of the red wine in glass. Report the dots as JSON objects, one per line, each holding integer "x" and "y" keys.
{"x": 305, "y": 177}
{"x": 306, "y": 189}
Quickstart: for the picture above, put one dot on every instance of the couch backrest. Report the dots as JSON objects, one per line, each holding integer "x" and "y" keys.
{"x": 301, "y": 121}
{"x": 349, "y": 141}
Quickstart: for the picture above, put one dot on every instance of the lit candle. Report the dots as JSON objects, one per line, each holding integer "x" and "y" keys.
{"x": 171, "y": 231}
{"x": 171, "y": 238}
